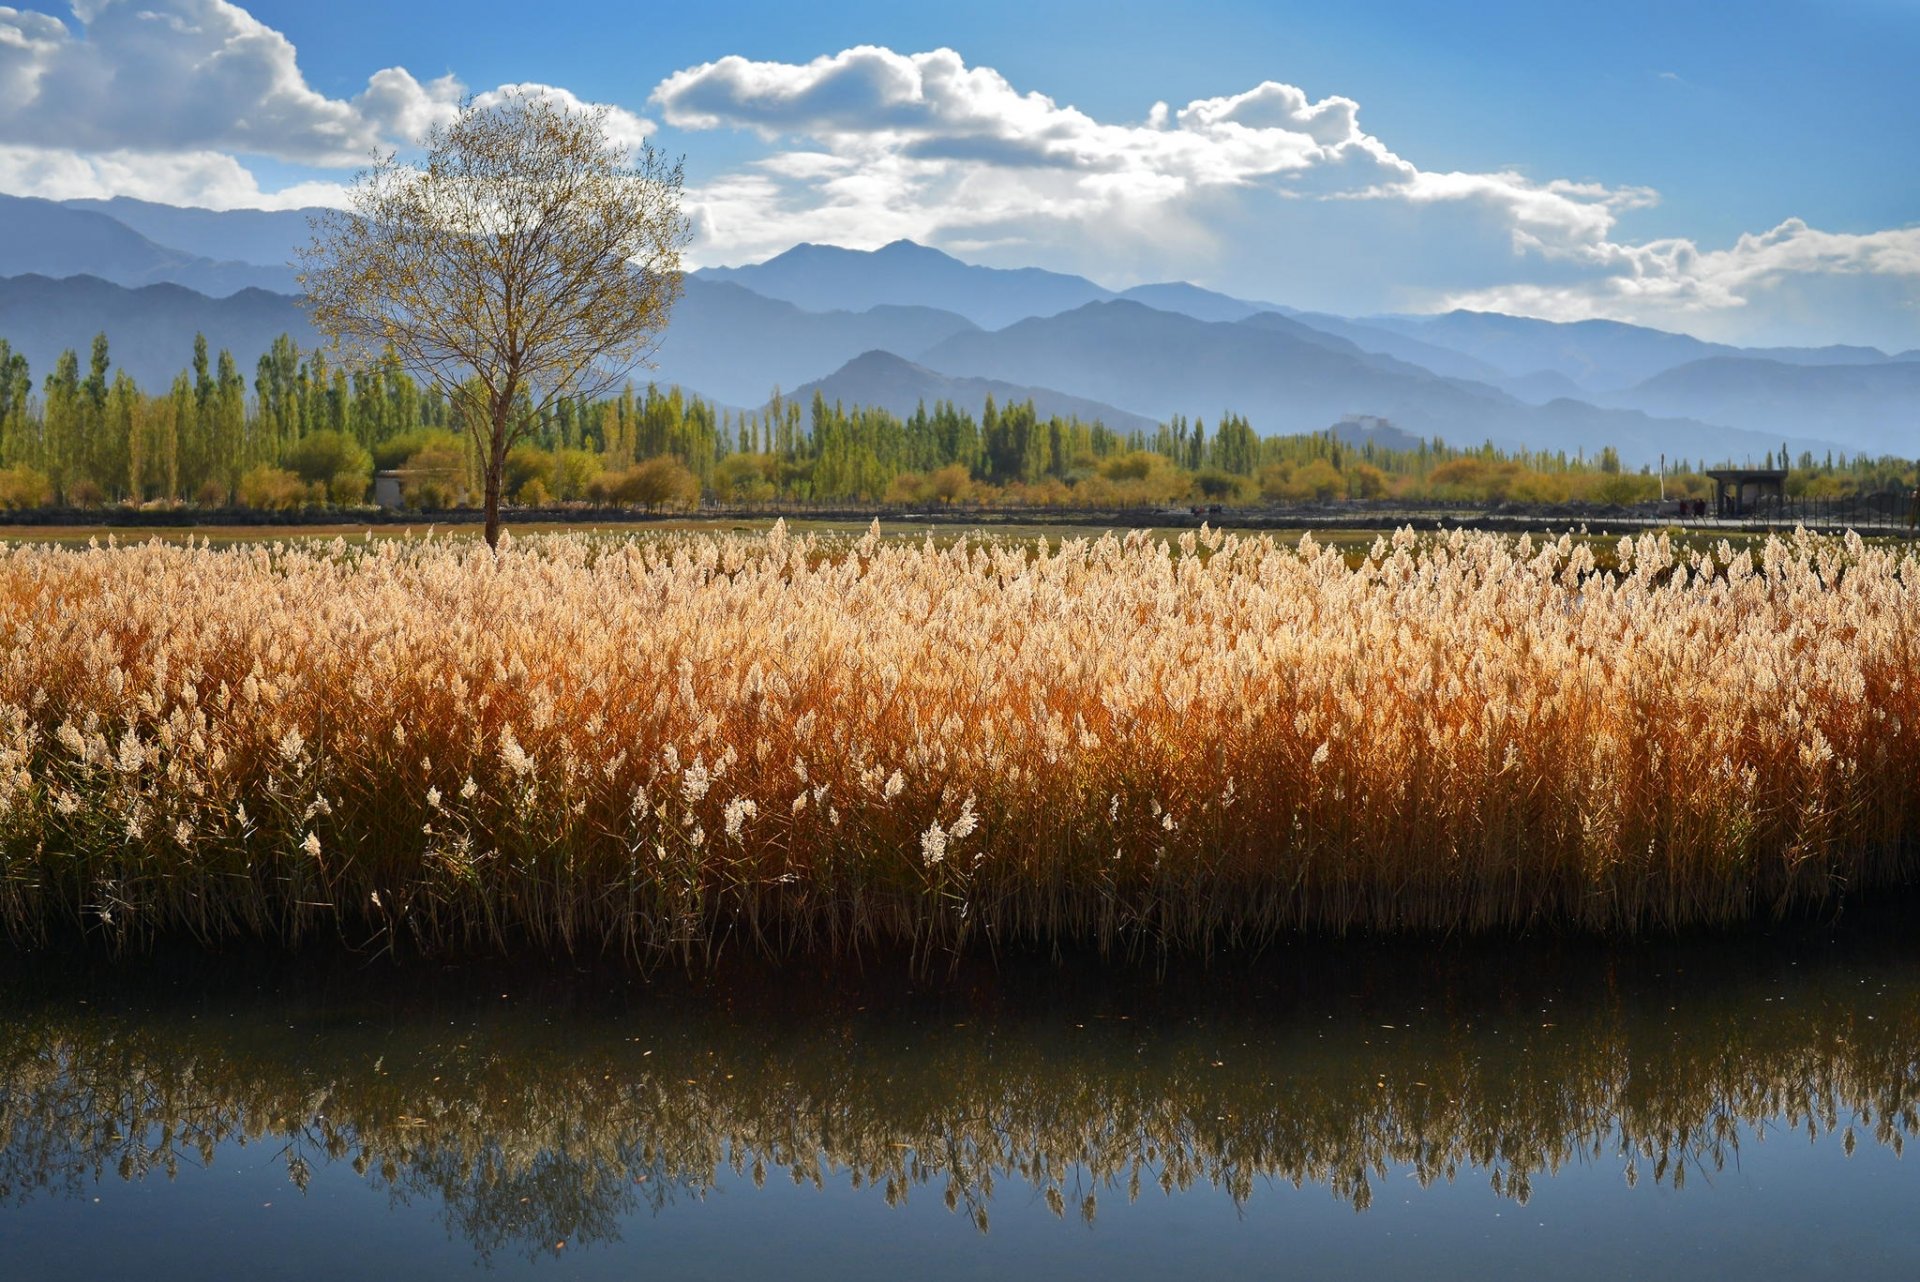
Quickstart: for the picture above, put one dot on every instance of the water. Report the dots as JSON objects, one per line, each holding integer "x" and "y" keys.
{"x": 1729, "y": 1107}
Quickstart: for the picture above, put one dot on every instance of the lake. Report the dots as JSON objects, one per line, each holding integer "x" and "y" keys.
{"x": 1723, "y": 1106}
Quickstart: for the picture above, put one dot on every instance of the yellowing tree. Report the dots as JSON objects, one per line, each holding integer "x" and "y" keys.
{"x": 527, "y": 257}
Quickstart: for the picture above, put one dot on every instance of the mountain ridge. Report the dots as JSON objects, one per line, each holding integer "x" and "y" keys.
{"x": 884, "y": 380}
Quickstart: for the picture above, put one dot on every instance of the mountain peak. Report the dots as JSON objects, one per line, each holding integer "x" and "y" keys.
{"x": 904, "y": 248}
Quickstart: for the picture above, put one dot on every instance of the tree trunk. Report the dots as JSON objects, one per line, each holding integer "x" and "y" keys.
{"x": 496, "y": 465}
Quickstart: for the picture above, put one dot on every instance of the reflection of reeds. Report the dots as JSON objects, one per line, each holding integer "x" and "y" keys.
{"x": 532, "y": 1130}
{"x": 589, "y": 744}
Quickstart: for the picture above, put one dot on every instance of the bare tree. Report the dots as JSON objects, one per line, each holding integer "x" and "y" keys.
{"x": 527, "y": 257}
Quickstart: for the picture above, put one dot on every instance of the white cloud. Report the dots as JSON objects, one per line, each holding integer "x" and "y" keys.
{"x": 623, "y": 128}
{"x": 157, "y": 97}
{"x": 1675, "y": 283}
{"x": 1268, "y": 192}
{"x": 208, "y": 179}
{"x": 177, "y": 75}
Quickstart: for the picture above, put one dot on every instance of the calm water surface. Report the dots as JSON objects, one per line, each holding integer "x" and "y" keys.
{"x": 1719, "y": 1108}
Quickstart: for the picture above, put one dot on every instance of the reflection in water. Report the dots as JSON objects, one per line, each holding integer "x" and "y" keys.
{"x": 552, "y": 1113}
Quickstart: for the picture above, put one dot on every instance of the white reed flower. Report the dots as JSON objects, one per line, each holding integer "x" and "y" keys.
{"x": 513, "y": 756}
{"x": 895, "y": 783}
{"x": 312, "y": 845}
{"x": 697, "y": 781}
{"x": 933, "y": 845}
{"x": 965, "y": 824}
{"x": 739, "y": 811}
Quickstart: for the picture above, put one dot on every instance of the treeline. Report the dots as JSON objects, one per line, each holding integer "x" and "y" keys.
{"x": 307, "y": 431}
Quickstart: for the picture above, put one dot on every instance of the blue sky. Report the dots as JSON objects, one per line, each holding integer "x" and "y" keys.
{"x": 1740, "y": 114}
{"x": 1560, "y": 159}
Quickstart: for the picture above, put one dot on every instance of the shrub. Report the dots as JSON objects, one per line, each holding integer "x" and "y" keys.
{"x": 318, "y": 457}
{"x": 528, "y": 465}
{"x": 950, "y": 484}
{"x": 85, "y": 493}
{"x": 272, "y": 489}
{"x": 748, "y": 478}
{"x": 573, "y": 473}
{"x": 658, "y": 482}
{"x": 434, "y": 478}
{"x": 23, "y": 487}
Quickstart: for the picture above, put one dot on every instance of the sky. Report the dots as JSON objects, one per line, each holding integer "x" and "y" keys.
{"x": 1743, "y": 172}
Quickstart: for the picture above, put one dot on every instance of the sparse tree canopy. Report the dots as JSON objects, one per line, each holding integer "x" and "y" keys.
{"x": 525, "y": 259}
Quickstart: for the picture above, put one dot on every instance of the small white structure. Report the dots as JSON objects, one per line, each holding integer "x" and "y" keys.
{"x": 386, "y": 490}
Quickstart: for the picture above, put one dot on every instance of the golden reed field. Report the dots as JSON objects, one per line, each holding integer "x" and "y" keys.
{"x": 699, "y": 742}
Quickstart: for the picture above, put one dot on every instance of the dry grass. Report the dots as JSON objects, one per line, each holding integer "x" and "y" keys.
{"x": 641, "y": 744}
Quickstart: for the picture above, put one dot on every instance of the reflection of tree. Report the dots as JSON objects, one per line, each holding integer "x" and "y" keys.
{"x": 528, "y": 1139}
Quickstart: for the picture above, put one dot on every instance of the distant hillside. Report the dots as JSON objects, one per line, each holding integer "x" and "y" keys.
{"x": 1875, "y": 406}
{"x": 885, "y": 381}
{"x": 263, "y": 237}
{"x": 1287, "y": 378}
{"x": 1201, "y": 304}
{"x": 1362, "y": 432}
{"x": 1390, "y": 342}
{"x": 40, "y": 237}
{"x": 149, "y": 330}
{"x": 828, "y": 278}
{"x": 1595, "y": 355}
{"x": 736, "y": 345}
{"x": 1283, "y": 375}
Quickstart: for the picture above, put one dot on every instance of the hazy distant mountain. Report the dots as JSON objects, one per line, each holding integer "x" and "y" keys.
{"x": 1361, "y": 432}
{"x": 736, "y": 345}
{"x": 41, "y": 237}
{"x": 1596, "y": 355}
{"x": 1872, "y": 407}
{"x": 263, "y": 237}
{"x": 1285, "y": 377}
{"x": 1389, "y": 342}
{"x": 149, "y": 330}
{"x": 823, "y": 278}
{"x": 889, "y": 382}
{"x": 829, "y": 278}
{"x": 1201, "y": 304}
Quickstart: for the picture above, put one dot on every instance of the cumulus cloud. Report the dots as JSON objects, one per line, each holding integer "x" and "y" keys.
{"x": 623, "y": 128}
{"x": 187, "y": 85}
{"x": 923, "y": 145}
{"x": 179, "y": 75}
{"x": 1265, "y": 190}
{"x": 208, "y": 179}
{"x": 1675, "y": 282}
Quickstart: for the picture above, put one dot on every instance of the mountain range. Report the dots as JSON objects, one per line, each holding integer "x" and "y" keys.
{"x": 906, "y": 323}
